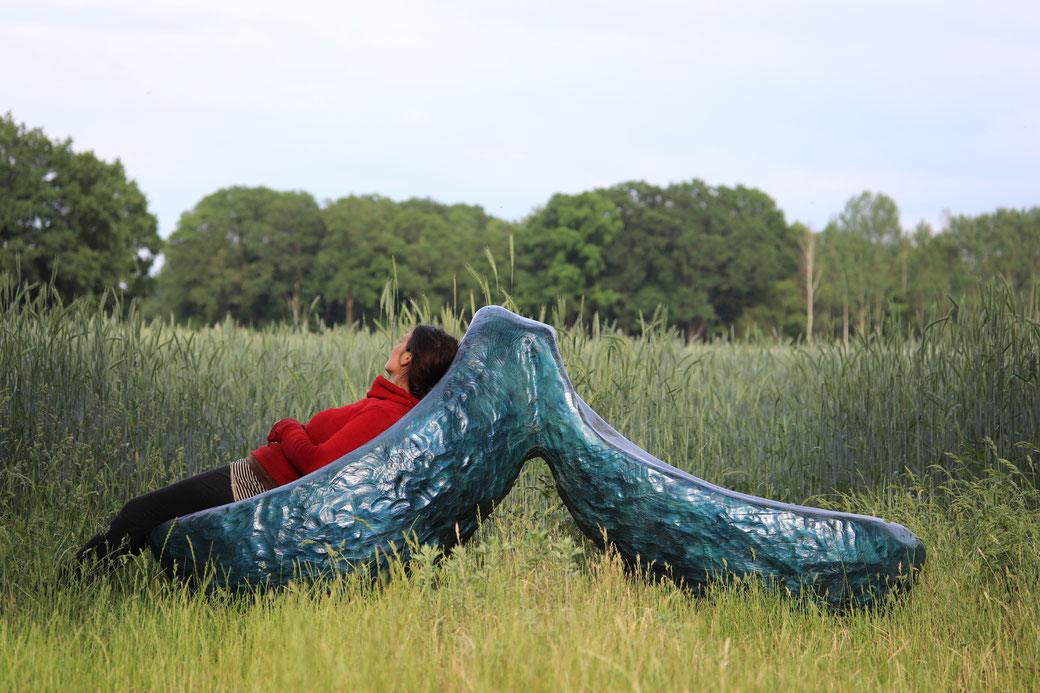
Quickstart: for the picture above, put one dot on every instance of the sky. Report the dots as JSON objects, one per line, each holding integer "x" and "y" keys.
{"x": 503, "y": 104}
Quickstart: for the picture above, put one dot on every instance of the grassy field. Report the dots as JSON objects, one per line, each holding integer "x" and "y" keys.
{"x": 938, "y": 432}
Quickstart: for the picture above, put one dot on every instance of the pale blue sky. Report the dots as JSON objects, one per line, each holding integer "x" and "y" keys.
{"x": 936, "y": 104}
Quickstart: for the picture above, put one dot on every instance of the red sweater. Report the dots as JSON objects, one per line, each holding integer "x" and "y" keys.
{"x": 294, "y": 450}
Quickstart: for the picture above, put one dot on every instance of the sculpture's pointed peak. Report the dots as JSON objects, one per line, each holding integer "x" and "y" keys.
{"x": 499, "y": 319}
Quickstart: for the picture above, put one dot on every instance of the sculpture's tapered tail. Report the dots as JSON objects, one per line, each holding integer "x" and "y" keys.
{"x": 506, "y": 398}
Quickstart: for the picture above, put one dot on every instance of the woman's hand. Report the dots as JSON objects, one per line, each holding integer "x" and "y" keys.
{"x": 275, "y": 436}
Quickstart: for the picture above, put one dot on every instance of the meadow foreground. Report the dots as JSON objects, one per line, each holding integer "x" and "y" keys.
{"x": 94, "y": 408}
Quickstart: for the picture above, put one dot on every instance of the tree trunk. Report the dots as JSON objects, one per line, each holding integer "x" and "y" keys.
{"x": 694, "y": 330}
{"x": 812, "y": 279}
{"x": 295, "y": 302}
{"x": 845, "y": 325}
{"x": 1034, "y": 299}
{"x": 809, "y": 315}
{"x": 350, "y": 311}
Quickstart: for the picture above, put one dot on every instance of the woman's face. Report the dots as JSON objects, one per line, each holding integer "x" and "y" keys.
{"x": 399, "y": 357}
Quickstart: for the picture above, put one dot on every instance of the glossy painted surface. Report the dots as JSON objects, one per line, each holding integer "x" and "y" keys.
{"x": 507, "y": 398}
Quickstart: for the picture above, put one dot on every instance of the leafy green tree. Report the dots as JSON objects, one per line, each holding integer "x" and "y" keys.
{"x": 433, "y": 246}
{"x": 427, "y": 246}
{"x": 863, "y": 245}
{"x": 296, "y": 232}
{"x": 560, "y": 252}
{"x": 643, "y": 267}
{"x": 245, "y": 252}
{"x": 705, "y": 254}
{"x": 355, "y": 258}
{"x": 749, "y": 246}
{"x": 840, "y": 252}
{"x": 1005, "y": 243}
{"x": 934, "y": 270}
{"x": 72, "y": 215}
{"x": 780, "y": 313}
{"x": 874, "y": 220}
{"x": 1001, "y": 246}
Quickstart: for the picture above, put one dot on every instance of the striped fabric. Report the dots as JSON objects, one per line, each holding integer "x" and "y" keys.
{"x": 244, "y": 481}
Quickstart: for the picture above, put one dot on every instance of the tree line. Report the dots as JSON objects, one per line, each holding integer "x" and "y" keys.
{"x": 714, "y": 259}
{"x": 262, "y": 255}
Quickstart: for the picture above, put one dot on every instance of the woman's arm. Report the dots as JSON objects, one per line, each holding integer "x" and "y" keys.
{"x": 303, "y": 454}
{"x": 275, "y": 435}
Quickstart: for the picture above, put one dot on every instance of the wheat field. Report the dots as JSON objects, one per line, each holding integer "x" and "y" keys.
{"x": 938, "y": 431}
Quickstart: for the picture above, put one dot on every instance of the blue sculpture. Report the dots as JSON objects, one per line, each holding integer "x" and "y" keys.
{"x": 505, "y": 399}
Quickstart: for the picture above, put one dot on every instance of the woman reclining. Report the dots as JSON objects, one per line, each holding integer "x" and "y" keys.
{"x": 293, "y": 450}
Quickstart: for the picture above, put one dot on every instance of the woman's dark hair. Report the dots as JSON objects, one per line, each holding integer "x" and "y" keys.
{"x": 432, "y": 350}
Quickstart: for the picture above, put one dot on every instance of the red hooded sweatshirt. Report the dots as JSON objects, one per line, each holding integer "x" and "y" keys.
{"x": 294, "y": 450}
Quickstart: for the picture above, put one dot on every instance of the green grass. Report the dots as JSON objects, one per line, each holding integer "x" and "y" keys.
{"x": 938, "y": 433}
{"x": 527, "y": 609}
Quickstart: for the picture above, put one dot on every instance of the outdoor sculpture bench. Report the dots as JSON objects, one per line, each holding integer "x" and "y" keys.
{"x": 505, "y": 399}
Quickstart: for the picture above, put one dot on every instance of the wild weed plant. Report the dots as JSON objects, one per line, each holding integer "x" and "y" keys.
{"x": 937, "y": 432}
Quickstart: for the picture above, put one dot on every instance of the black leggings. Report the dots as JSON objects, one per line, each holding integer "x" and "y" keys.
{"x": 128, "y": 531}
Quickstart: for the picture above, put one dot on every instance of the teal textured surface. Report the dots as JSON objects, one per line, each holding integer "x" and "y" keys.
{"x": 505, "y": 399}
